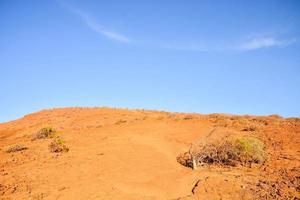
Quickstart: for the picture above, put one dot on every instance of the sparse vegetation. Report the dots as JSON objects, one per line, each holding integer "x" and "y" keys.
{"x": 243, "y": 150}
{"x": 16, "y": 148}
{"x": 250, "y": 128}
{"x": 58, "y": 145}
{"x": 46, "y": 132}
{"x": 222, "y": 150}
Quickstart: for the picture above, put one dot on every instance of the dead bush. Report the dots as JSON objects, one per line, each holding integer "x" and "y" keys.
{"x": 185, "y": 159}
{"x": 58, "y": 145}
{"x": 16, "y": 148}
{"x": 46, "y": 132}
{"x": 243, "y": 150}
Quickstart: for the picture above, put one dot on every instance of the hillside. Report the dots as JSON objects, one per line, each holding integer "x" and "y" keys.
{"x": 131, "y": 154}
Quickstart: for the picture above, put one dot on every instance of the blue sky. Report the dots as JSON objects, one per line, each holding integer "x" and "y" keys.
{"x": 239, "y": 57}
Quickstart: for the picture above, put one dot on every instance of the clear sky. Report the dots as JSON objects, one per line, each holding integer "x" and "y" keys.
{"x": 240, "y": 57}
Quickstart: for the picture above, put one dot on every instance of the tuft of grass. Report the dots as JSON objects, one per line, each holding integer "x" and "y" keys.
{"x": 58, "y": 145}
{"x": 243, "y": 150}
{"x": 46, "y": 132}
{"x": 16, "y": 148}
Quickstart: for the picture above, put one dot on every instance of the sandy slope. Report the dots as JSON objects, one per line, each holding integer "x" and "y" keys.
{"x": 131, "y": 154}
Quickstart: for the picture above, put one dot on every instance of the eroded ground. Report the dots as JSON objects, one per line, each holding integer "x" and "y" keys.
{"x": 131, "y": 154}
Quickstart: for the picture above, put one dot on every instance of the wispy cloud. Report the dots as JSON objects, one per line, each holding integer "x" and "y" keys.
{"x": 93, "y": 25}
{"x": 248, "y": 44}
{"x": 253, "y": 42}
{"x": 264, "y": 42}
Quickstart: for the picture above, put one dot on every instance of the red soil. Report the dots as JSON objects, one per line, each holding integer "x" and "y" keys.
{"x": 131, "y": 154}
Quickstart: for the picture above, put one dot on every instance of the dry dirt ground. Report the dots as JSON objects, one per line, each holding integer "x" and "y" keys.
{"x": 131, "y": 154}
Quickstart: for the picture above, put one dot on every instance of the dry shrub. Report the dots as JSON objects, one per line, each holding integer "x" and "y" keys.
{"x": 250, "y": 150}
{"x": 47, "y": 132}
{"x": 16, "y": 148}
{"x": 242, "y": 150}
{"x": 185, "y": 159}
{"x": 250, "y": 128}
{"x": 58, "y": 145}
